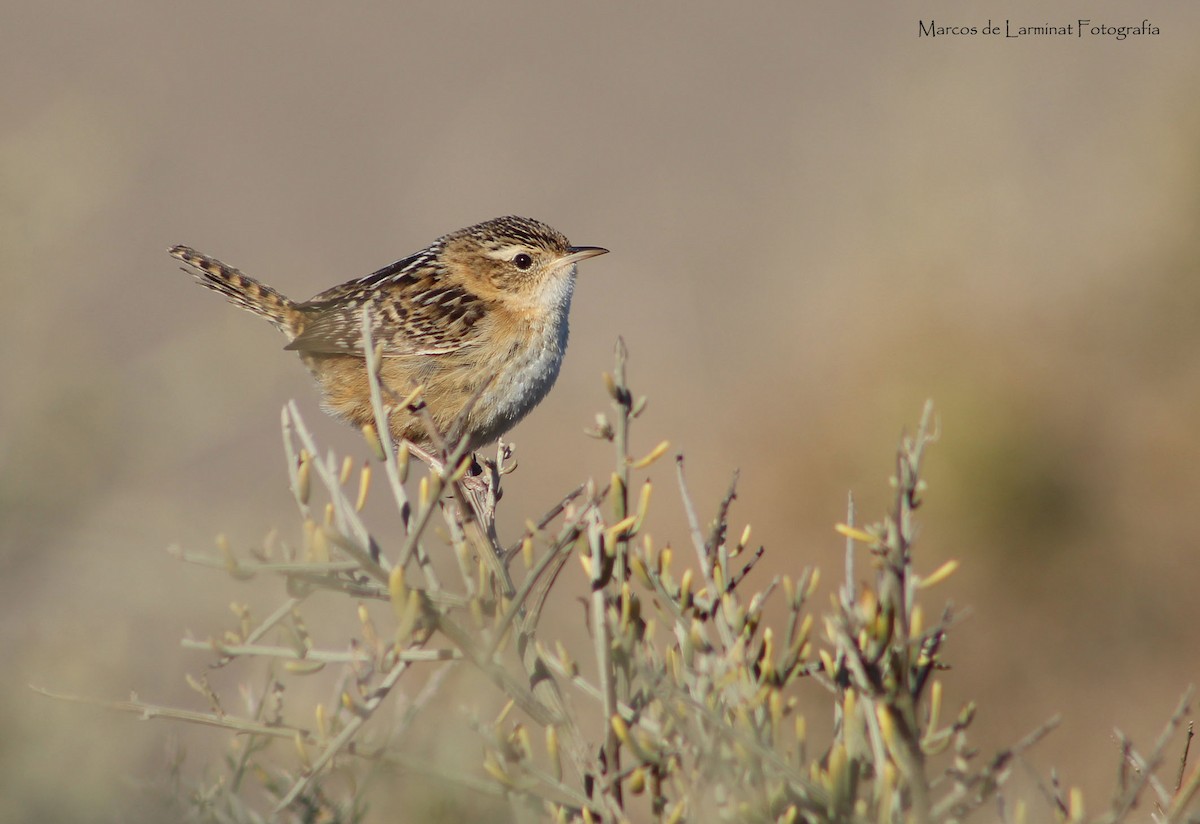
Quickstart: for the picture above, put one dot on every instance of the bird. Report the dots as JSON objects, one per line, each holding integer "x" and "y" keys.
{"x": 477, "y": 321}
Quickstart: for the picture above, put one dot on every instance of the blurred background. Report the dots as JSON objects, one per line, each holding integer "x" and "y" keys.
{"x": 817, "y": 221}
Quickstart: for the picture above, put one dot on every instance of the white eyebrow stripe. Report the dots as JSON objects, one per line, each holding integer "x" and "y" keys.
{"x": 506, "y": 252}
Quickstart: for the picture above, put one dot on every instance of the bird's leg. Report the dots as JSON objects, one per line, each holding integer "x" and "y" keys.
{"x": 474, "y": 503}
{"x": 476, "y": 479}
{"x": 425, "y": 456}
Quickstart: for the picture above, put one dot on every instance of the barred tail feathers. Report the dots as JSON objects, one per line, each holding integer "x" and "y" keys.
{"x": 242, "y": 290}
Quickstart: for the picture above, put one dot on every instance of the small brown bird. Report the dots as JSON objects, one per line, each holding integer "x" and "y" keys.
{"x": 481, "y": 310}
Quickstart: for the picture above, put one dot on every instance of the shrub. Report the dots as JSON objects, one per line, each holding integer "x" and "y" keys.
{"x": 682, "y": 707}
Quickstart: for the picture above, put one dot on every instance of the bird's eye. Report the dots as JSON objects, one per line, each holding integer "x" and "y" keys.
{"x": 522, "y": 261}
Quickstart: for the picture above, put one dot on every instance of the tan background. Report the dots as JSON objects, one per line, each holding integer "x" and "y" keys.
{"x": 817, "y": 220}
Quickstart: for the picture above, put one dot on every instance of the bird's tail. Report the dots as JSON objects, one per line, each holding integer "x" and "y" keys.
{"x": 242, "y": 290}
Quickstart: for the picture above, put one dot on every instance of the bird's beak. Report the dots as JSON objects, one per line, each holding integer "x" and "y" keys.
{"x": 578, "y": 253}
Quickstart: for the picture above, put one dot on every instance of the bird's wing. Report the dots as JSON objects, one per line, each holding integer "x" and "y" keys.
{"x": 413, "y": 312}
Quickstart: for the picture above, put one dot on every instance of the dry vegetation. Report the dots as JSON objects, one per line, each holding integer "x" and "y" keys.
{"x": 683, "y": 707}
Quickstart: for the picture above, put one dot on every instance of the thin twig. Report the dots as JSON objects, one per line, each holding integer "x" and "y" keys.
{"x": 693, "y": 522}
{"x": 321, "y": 656}
{"x": 209, "y": 719}
{"x": 346, "y": 518}
{"x": 344, "y": 735}
{"x": 1147, "y": 767}
{"x": 382, "y": 424}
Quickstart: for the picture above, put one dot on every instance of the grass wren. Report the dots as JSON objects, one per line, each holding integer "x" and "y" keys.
{"x": 480, "y": 310}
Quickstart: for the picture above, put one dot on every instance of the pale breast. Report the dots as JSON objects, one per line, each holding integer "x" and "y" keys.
{"x": 530, "y": 365}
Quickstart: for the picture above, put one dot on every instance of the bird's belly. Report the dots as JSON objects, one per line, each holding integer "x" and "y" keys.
{"x": 518, "y": 382}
